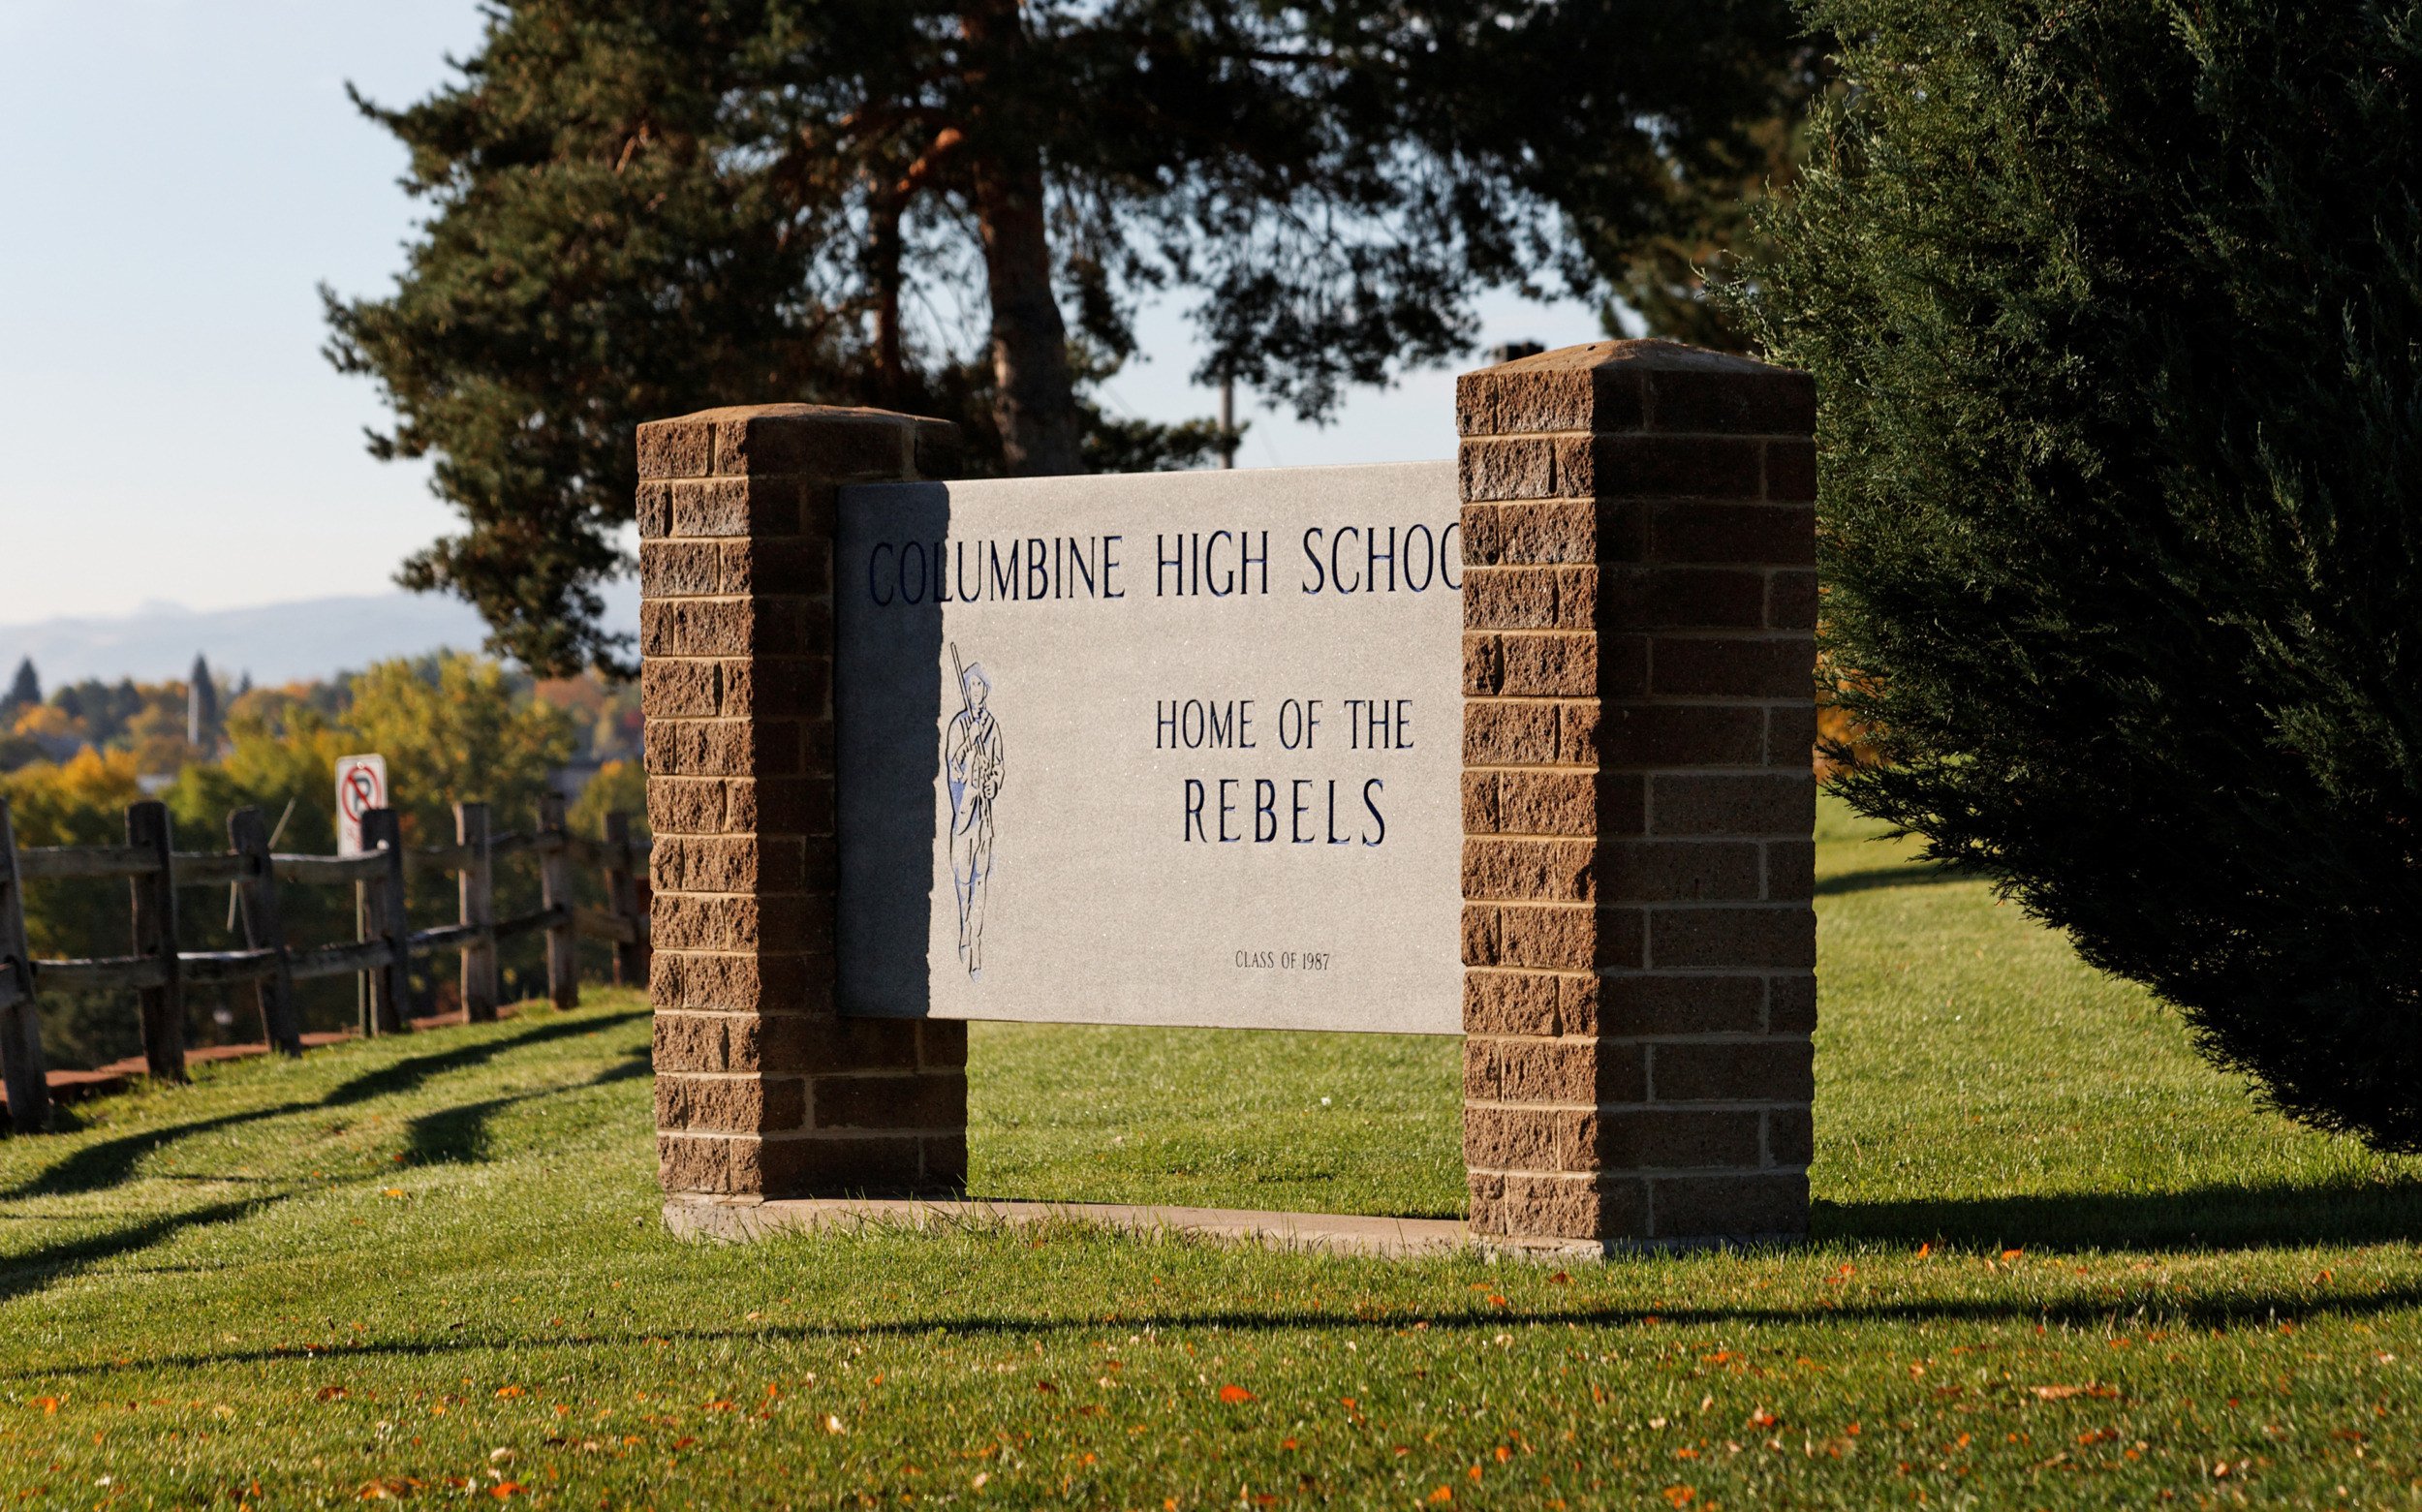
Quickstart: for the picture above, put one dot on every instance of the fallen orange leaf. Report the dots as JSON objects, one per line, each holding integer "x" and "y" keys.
{"x": 48, "y": 1405}
{"x": 1441, "y": 1493}
{"x": 1234, "y": 1394}
{"x": 508, "y": 1391}
{"x": 510, "y": 1488}
{"x": 331, "y": 1394}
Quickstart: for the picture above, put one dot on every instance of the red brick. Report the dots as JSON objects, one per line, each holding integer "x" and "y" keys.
{"x": 816, "y": 1045}
{"x": 1572, "y": 938}
{"x": 792, "y": 924}
{"x": 1583, "y": 1072}
{"x": 1545, "y": 871}
{"x": 1791, "y": 1004}
{"x": 1667, "y": 597}
{"x": 816, "y": 440}
{"x": 1684, "y": 667}
{"x": 1524, "y": 1139}
{"x": 795, "y": 565}
{"x": 1536, "y": 533}
{"x": 1483, "y": 667}
{"x": 730, "y": 1104}
{"x": 1647, "y": 1004}
{"x": 1641, "y": 467}
{"x": 1791, "y": 600}
{"x": 1547, "y": 666}
{"x": 730, "y": 507}
{"x": 688, "y": 1163}
{"x": 1792, "y": 471}
{"x": 939, "y": 453}
{"x": 677, "y": 805}
{"x": 729, "y": 983}
{"x": 941, "y": 1043}
{"x": 1558, "y": 1207}
{"x": 1509, "y": 734}
{"x": 1769, "y": 1071}
{"x": 1479, "y": 803}
{"x": 1510, "y": 400}
{"x": 678, "y": 569}
{"x": 692, "y": 1042}
{"x": 682, "y": 447}
{"x": 845, "y": 1165}
{"x": 1483, "y": 939}
{"x": 1652, "y": 870}
{"x": 653, "y": 508}
{"x": 1717, "y": 939}
{"x": 783, "y": 806}
{"x": 673, "y": 690}
{"x": 1488, "y": 471}
{"x": 1790, "y": 870}
{"x": 723, "y": 748}
{"x": 1660, "y": 1140}
{"x": 1655, "y": 736}
{"x": 729, "y": 627}
{"x": 944, "y": 1154}
{"x": 1510, "y": 1003}
{"x": 1730, "y": 1207}
{"x": 1791, "y": 737}
{"x": 1576, "y": 598}
{"x": 1509, "y": 597}
{"x": 728, "y": 864}
{"x": 1780, "y": 402}
{"x": 778, "y": 688}
{"x": 1568, "y": 803}
{"x": 1791, "y": 1136}
{"x": 1756, "y": 535}
{"x": 936, "y": 1100}
{"x": 1777, "y": 803}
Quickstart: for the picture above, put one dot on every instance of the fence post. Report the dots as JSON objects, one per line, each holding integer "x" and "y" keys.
{"x": 622, "y": 898}
{"x": 21, "y": 1025}
{"x": 155, "y": 935}
{"x": 477, "y": 883}
{"x": 563, "y": 959}
{"x": 382, "y": 829}
{"x": 264, "y": 929}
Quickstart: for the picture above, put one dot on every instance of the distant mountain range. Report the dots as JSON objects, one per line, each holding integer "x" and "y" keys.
{"x": 275, "y": 642}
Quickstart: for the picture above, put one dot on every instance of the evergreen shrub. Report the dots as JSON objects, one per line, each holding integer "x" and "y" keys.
{"x": 2115, "y": 309}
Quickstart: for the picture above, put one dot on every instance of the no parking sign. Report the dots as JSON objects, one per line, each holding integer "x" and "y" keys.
{"x": 361, "y": 787}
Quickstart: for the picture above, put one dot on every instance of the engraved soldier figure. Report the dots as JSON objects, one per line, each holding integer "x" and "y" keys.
{"x": 971, "y": 751}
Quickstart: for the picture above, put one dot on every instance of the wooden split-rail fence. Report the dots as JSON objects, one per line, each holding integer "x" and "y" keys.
{"x": 381, "y": 953}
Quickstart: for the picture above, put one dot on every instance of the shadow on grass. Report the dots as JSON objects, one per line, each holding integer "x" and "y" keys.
{"x": 2261, "y": 1308}
{"x": 1889, "y": 876}
{"x": 2205, "y": 1218}
{"x": 38, "y": 1269}
{"x": 407, "y": 1074}
{"x": 113, "y": 1161}
{"x": 460, "y": 1135}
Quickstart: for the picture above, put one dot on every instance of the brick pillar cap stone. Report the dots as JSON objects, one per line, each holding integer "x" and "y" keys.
{"x": 1622, "y": 386}
{"x": 838, "y": 443}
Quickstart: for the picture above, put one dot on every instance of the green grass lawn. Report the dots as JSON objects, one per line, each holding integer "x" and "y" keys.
{"x": 2059, "y": 1262}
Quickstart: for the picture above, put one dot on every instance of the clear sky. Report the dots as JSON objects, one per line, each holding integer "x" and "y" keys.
{"x": 181, "y": 175}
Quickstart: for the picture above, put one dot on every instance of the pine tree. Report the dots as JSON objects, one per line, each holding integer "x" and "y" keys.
{"x": 642, "y": 208}
{"x": 2115, "y": 309}
{"x": 202, "y": 704}
{"x": 24, "y": 690}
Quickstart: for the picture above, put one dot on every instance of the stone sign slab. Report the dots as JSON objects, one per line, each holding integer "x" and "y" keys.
{"x": 1170, "y": 749}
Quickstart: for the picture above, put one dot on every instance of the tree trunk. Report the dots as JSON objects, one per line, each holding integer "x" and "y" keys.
{"x": 883, "y": 258}
{"x": 1033, "y": 401}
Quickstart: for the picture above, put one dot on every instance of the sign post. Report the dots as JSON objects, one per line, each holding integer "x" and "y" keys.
{"x": 361, "y": 787}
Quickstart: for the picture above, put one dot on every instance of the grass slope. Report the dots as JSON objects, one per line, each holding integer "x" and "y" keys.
{"x": 431, "y": 1269}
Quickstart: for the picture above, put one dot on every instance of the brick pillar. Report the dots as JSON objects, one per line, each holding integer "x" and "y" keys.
{"x": 1639, "y": 946}
{"x": 761, "y": 1090}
